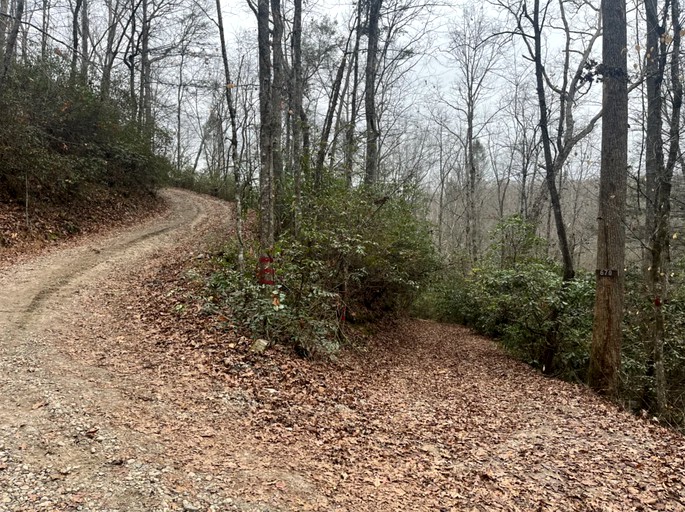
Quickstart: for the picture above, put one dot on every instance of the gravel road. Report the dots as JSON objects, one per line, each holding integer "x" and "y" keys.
{"x": 65, "y": 442}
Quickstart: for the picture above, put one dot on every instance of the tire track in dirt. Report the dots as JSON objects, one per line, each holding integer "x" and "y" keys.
{"x": 63, "y": 445}
{"x": 26, "y": 290}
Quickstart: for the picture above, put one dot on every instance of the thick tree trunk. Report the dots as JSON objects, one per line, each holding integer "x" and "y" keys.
{"x": 605, "y": 356}
{"x": 266, "y": 200}
{"x": 296, "y": 102}
{"x": 85, "y": 40}
{"x": 277, "y": 86}
{"x": 372, "y": 131}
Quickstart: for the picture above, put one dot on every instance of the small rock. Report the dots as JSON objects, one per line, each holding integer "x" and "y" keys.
{"x": 259, "y": 346}
{"x": 190, "y": 507}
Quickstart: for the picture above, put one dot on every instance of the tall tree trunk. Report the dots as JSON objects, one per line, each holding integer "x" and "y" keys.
{"x": 551, "y": 167}
{"x": 109, "y": 51}
{"x": 441, "y": 198}
{"x": 654, "y": 169}
{"x": 659, "y": 176}
{"x": 4, "y": 23}
{"x": 75, "y": 38}
{"x": 11, "y": 45}
{"x": 145, "y": 94}
{"x": 114, "y": 15}
{"x": 234, "y": 139}
{"x": 350, "y": 144}
{"x": 277, "y": 86}
{"x": 605, "y": 355}
{"x": 130, "y": 60}
{"x": 296, "y": 108}
{"x": 266, "y": 199}
{"x": 471, "y": 178}
{"x": 85, "y": 40}
{"x": 372, "y": 131}
{"x": 180, "y": 87}
{"x": 45, "y": 28}
{"x": 328, "y": 122}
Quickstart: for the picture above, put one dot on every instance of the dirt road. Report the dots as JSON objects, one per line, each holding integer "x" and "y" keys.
{"x": 118, "y": 394}
{"x": 61, "y": 446}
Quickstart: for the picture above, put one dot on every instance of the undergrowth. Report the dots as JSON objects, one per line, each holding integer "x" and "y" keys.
{"x": 511, "y": 294}
{"x": 354, "y": 258}
{"x": 60, "y": 139}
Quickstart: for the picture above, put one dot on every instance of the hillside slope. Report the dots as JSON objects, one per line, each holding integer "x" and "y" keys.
{"x": 120, "y": 393}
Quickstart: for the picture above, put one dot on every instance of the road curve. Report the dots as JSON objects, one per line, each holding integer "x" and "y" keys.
{"x": 49, "y": 401}
{"x": 29, "y": 291}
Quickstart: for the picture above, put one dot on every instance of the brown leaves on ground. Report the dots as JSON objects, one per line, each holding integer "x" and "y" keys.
{"x": 426, "y": 417}
{"x": 52, "y": 225}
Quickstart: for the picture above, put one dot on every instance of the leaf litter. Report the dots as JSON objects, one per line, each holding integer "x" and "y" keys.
{"x": 422, "y": 417}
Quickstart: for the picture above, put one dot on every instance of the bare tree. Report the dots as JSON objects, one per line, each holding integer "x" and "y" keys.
{"x": 662, "y": 50}
{"x": 476, "y": 51}
{"x": 372, "y": 131}
{"x": 11, "y": 44}
{"x": 532, "y": 24}
{"x": 298, "y": 116}
{"x": 4, "y": 20}
{"x": 228, "y": 89}
{"x": 266, "y": 201}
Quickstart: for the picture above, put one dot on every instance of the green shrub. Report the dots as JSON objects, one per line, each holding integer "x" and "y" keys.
{"x": 356, "y": 259}
{"x": 519, "y": 298}
{"x": 638, "y": 387}
{"x": 64, "y": 138}
{"x": 311, "y": 323}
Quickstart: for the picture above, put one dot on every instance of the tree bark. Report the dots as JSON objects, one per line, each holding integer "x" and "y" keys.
{"x": 659, "y": 175}
{"x": 228, "y": 87}
{"x": 328, "y": 122}
{"x": 266, "y": 200}
{"x": 75, "y": 38}
{"x": 350, "y": 143}
{"x": 551, "y": 164}
{"x": 85, "y": 40}
{"x": 11, "y": 45}
{"x": 297, "y": 113}
{"x": 277, "y": 86}
{"x": 4, "y": 23}
{"x": 145, "y": 93}
{"x": 372, "y": 130}
{"x": 45, "y": 28}
{"x": 605, "y": 356}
